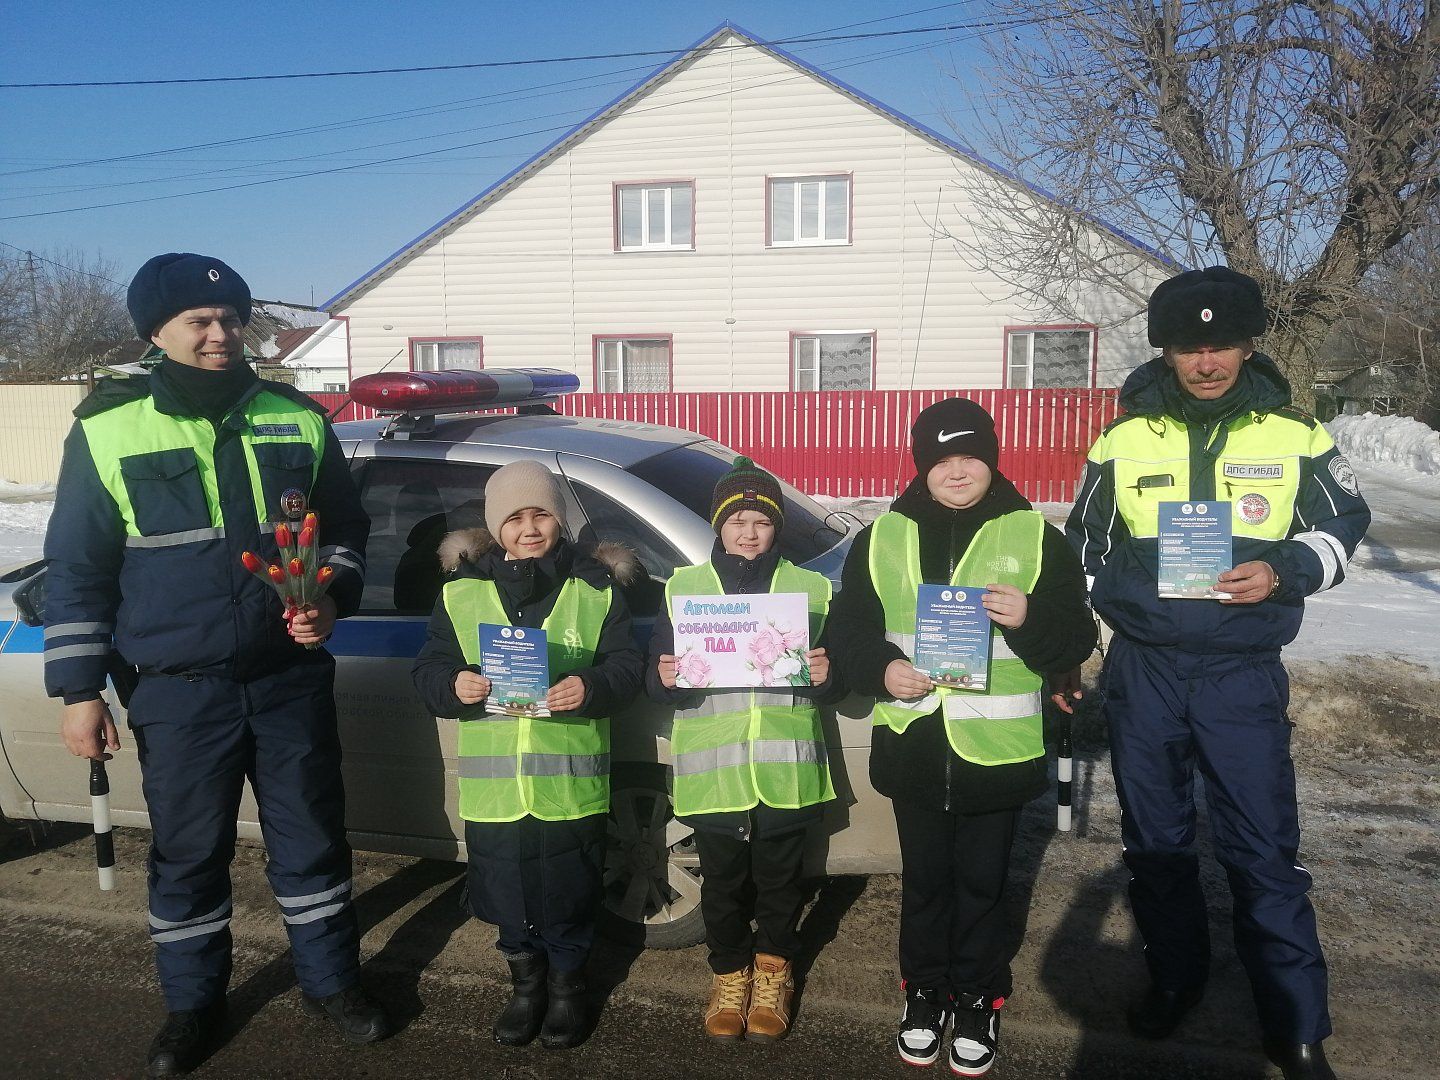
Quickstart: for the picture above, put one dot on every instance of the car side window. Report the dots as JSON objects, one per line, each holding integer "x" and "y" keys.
{"x": 412, "y": 505}
{"x": 608, "y": 520}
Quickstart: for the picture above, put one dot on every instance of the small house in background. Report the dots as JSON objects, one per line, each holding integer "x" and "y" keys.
{"x": 738, "y": 220}
{"x": 318, "y": 357}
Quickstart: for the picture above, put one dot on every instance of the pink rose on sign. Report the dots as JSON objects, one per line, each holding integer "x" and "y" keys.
{"x": 766, "y": 647}
{"x": 693, "y": 670}
{"x": 795, "y": 639}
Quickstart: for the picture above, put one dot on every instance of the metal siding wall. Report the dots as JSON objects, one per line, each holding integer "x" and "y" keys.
{"x": 34, "y": 420}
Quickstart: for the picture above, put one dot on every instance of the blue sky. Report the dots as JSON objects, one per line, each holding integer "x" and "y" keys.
{"x": 297, "y": 238}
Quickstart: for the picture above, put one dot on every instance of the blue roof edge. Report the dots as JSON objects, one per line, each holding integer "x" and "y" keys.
{"x": 680, "y": 56}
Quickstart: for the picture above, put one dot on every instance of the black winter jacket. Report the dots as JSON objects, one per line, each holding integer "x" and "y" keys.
{"x": 739, "y": 575}
{"x": 528, "y": 589}
{"x": 919, "y": 767}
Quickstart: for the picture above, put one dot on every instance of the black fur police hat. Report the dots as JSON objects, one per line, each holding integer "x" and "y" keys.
{"x": 953, "y": 426}
{"x": 1214, "y": 306}
{"x": 181, "y": 280}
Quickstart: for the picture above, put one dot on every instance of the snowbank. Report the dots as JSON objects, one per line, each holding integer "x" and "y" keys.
{"x": 12, "y": 492}
{"x": 1387, "y": 439}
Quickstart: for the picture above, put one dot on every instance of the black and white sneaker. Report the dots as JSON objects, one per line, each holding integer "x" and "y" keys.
{"x": 977, "y": 1034}
{"x": 922, "y": 1030}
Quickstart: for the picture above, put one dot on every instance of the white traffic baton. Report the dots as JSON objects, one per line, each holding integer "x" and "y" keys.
{"x": 100, "y": 813}
{"x": 1064, "y": 769}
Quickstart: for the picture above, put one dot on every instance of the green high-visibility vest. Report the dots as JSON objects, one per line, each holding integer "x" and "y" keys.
{"x": 160, "y": 469}
{"x": 555, "y": 768}
{"x": 739, "y": 748}
{"x": 1002, "y": 723}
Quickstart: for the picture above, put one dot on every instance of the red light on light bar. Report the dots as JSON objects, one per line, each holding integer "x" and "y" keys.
{"x": 457, "y": 391}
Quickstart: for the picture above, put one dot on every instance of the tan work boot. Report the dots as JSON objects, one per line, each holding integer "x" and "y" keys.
{"x": 771, "y": 988}
{"x": 729, "y": 995}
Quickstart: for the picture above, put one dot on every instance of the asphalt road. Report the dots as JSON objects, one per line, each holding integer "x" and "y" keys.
{"x": 81, "y": 1000}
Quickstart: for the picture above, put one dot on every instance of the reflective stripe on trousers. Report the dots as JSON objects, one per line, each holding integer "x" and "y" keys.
{"x": 178, "y": 930}
{"x": 293, "y": 904}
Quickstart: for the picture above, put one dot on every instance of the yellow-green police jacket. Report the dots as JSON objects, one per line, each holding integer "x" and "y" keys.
{"x": 152, "y": 511}
{"x": 1294, "y": 503}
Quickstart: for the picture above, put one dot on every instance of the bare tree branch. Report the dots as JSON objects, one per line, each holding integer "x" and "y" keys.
{"x": 1295, "y": 140}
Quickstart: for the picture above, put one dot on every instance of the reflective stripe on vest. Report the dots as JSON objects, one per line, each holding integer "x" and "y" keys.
{"x": 160, "y": 469}
{"x": 1001, "y": 724}
{"x": 555, "y": 769}
{"x": 738, "y": 748}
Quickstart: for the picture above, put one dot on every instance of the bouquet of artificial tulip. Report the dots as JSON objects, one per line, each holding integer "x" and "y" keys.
{"x": 296, "y": 578}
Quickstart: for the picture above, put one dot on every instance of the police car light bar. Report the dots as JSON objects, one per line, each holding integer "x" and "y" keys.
{"x": 427, "y": 393}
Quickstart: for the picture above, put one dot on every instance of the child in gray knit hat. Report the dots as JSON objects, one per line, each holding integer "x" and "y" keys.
{"x": 534, "y": 790}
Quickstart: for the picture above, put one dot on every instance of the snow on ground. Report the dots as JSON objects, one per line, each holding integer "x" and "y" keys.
{"x": 24, "y": 513}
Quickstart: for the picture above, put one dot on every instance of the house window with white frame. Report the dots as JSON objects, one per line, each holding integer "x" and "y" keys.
{"x": 809, "y": 210}
{"x": 632, "y": 365}
{"x": 833, "y": 361}
{"x": 654, "y": 217}
{"x": 1049, "y": 358}
{"x": 439, "y": 355}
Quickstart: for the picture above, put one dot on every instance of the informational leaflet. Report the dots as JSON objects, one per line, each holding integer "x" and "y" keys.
{"x": 732, "y": 641}
{"x": 952, "y": 636}
{"x": 1195, "y": 549}
{"x": 516, "y": 660}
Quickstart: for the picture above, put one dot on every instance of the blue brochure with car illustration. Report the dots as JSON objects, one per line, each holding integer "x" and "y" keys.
{"x": 1195, "y": 549}
{"x": 516, "y": 660}
{"x": 952, "y": 636}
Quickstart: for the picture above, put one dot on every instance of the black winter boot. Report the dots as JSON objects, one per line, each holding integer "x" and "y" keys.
{"x": 352, "y": 1012}
{"x": 1160, "y": 1011}
{"x": 520, "y": 1021}
{"x": 565, "y": 1019}
{"x": 1299, "y": 1061}
{"x": 179, "y": 1046}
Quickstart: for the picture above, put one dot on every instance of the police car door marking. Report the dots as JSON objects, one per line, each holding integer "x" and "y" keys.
{"x": 1345, "y": 476}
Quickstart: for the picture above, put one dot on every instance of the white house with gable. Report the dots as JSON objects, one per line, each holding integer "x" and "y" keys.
{"x": 739, "y": 220}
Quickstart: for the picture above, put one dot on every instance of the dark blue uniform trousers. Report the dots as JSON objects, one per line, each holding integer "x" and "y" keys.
{"x": 199, "y": 738}
{"x": 1169, "y": 712}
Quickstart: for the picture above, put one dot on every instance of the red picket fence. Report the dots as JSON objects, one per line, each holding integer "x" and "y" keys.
{"x": 855, "y": 443}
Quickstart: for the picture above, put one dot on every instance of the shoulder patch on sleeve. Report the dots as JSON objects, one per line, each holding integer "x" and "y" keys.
{"x": 1344, "y": 475}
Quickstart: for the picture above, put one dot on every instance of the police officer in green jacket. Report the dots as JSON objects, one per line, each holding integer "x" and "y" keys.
{"x": 1197, "y": 684}
{"x": 166, "y": 480}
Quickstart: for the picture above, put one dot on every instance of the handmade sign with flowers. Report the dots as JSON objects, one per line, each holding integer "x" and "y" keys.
{"x": 296, "y": 578}
{"x": 756, "y": 639}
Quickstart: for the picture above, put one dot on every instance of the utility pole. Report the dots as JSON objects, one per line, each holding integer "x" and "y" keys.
{"x": 34, "y": 309}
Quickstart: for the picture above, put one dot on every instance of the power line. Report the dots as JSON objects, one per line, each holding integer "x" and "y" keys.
{"x": 444, "y": 150}
{"x": 532, "y": 62}
{"x": 41, "y": 258}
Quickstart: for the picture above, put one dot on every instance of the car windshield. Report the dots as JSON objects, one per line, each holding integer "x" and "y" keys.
{"x": 688, "y": 474}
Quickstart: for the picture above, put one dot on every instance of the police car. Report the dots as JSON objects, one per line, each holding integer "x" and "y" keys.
{"x": 421, "y": 472}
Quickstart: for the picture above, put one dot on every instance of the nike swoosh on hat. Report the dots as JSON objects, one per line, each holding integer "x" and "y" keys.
{"x": 946, "y": 436}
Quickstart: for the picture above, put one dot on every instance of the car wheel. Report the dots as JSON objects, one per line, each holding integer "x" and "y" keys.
{"x": 652, "y": 867}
